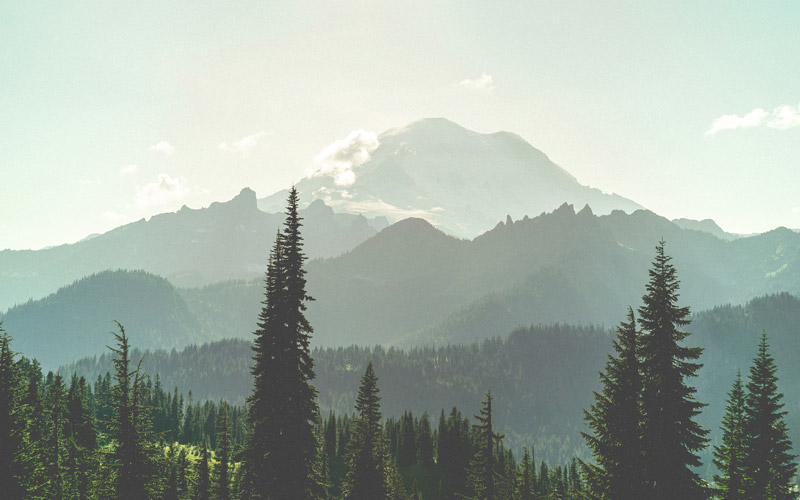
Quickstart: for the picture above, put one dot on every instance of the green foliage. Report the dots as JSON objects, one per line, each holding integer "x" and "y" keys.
{"x": 769, "y": 464}
{"x": 281, "y": 448}
{"x": 615, "y": 420}
{"x": 671, "y": 435}
{"x": 483, "y": 474}
{"x": 730, "y": 454}
{"x": 11, "y": 424}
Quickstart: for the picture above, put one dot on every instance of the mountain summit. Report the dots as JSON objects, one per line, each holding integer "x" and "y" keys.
{"x": 461, "y": 181}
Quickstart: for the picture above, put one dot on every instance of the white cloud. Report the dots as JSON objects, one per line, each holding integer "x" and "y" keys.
{"x": 782, "y": 117}
{"x": 162, "y": 147}
{"x": 129, "y": 169}
{"x": 244, "y": 145}
{"x": 485, "y": 82}
{"x": 341, "y": 157}
{"x": 164, "y": 190}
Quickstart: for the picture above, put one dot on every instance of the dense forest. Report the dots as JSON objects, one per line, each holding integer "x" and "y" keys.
{"x": 129, "y": 438}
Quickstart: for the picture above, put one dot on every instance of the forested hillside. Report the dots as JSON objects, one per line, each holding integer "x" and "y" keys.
{"x": 542, "y": 376}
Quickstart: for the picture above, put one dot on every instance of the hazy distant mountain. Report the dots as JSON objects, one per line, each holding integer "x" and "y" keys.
{"x": 707, "y": 226}
{"x": 461, "y": 181}
{"x": 189, "y": 247}
{"x": 413, "y": 285}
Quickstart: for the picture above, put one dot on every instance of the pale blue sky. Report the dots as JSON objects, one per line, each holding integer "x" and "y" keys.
{"x": 621, "y": 94}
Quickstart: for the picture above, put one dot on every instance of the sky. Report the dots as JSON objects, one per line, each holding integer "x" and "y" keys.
{"x": 114, "y": 111}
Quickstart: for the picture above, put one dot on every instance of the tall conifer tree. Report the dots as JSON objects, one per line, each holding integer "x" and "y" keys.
{"x": 11, "y": 425}
{"x": 615, "y": 420}
{"x": 729, "y": 455}
{"x": 203, "y": 475}
{"x": 367, "y": 477}
{"x": 131, "y": 455}
{"x": 222, "y": 471}
{"x": 672, "y": 437}
{"x": 482, "y": 475}
{"x": 769, "y": 462}
{"x": 281, "y": 448}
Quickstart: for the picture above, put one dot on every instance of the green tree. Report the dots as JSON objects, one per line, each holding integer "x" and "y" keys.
{"x": 729, "y": 456}
{"x": 769, "y": 463}
{"x": 524, "y": 483}
{"x": 222, "y": 478}
{"x": 615, "y": 419}
{"x": 671, "y": 436}
{"x": 131, "y": 455}
{"x": 203, "y": 475}
{"x": 482, "y": 475}
{"x": 281, "y": 448}
{"x": 11, "y": 427}
{"x": 366, "y": 462}
{"x": 56, "y": 446}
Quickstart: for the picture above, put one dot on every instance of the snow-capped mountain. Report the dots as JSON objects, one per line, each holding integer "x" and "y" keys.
{"x": 461, "y": 181}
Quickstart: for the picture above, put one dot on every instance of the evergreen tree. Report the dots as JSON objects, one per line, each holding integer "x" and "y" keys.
{"x": 729, "y": 456}
{"x": 671, "y": 437}
{"x": 482, "y": 474}
{"x": 281, "y": 448}
{"x": 425, "y": 441}
{"x": 366, "y": 464}
{"x": 525, "y": 486}
{"x": 56, "y": 404}
{"x": 203, "y": 475}
{"x": 11, "y": 427}
{"x": 615, "y": 419}
{"x": 222, "y": 470}
{"x": 171, "y": 492}
{"x": 130, "y": 456}
{"x": 769, "y": 463}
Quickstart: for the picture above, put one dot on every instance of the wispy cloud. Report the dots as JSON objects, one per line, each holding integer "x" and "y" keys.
{"x": 781, "y": 118}
{"x": 341, "y": 157}
{"x": 485, "y": 83}
{"x": 129, "y": 170}
{"x": 162, "y": 147}
{"x": 114, "y": 217}
{"x": 164, "y": 190}
{"x": 244, "y": 145}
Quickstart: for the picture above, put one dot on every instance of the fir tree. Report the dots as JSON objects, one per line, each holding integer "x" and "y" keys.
{"x": 130, "y": 455}
{"x": 615, "y": 419}
{"x": 671, "y": 437}
{"x": 281, "y": 449}
{"x": 56, "y": 404}
{"x": 222, "y": 470}
{"x": 11, "y": 425}
{"x": 524, "y": 483}
{"x": 203, "y": 475}
{"x": 482, "y": 474}
{"x": 366, "y": 464}
{"x": 729, "y": 456}
{"x": 769, "y": 463}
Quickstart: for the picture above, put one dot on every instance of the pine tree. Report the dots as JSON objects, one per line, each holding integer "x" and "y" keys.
{"x": 222, "y": 470}
{"x": 769, "y": 463}
{"x": 482, "y": 474}
{"x": 366, "y": 463}
{"x": 671, "y": 437}
{"x": 281, "y": 447}
{"x": 615, "y": 418}
{"x": 203, "y": 475}
{"x": 525, "y": 476}
{"x": 729, "y": 456}
{"x": 56, "y": 404}
{"x": 130, "y": 456}
{"x": 11, "y": 426}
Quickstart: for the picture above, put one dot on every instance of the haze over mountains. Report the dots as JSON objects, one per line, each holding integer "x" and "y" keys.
{"x": 413, "y": 285}
{"x": 409, "y": 284}
{"x": 190, "y": 247}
